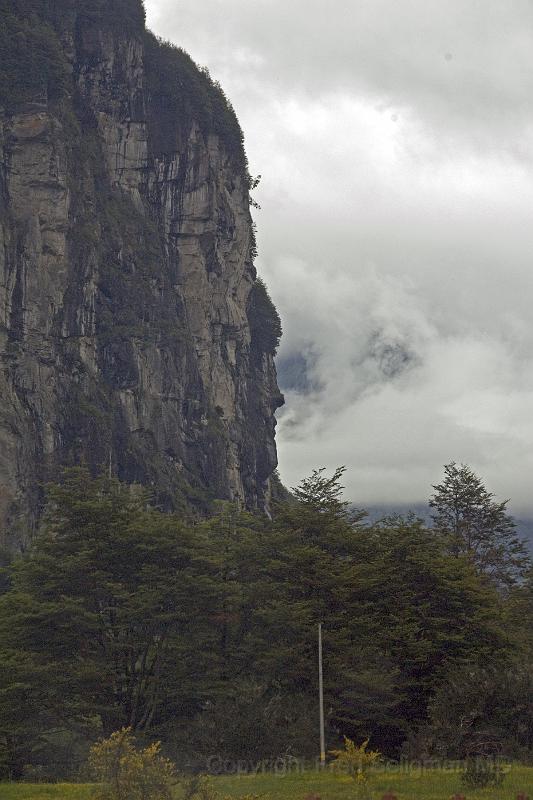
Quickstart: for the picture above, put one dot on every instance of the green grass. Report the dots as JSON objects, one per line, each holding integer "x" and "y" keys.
{"x": 414, "y": 785}
{"x": 43, "y": 791}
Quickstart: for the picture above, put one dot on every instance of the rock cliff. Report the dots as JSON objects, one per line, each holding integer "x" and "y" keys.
{"x": 134, "y": 333}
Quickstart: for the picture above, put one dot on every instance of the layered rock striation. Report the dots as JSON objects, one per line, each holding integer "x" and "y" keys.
{"x": 134, "y": 333}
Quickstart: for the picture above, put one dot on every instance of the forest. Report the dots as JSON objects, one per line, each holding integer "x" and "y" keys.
{"x": 120, "y": 615}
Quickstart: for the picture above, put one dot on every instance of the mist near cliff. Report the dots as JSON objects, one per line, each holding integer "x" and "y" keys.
{"x": 395, "y": 144}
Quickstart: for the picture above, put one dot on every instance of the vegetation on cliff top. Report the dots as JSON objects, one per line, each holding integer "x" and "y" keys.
{"x": 182, "y": 92}
{"x": 32, "y": 61}
{"x": 34, "y": 66}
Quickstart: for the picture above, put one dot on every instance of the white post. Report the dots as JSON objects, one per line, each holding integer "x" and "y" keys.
{"x": 321, "y": 699}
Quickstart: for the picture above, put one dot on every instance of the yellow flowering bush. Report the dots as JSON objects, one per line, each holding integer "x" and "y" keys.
{"x": 199, "y": 787}
{"x": 355, "y": 761}
{"x": 126, "y": 772}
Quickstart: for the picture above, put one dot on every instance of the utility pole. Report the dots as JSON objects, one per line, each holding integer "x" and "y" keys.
{"x": 321, "y": 699}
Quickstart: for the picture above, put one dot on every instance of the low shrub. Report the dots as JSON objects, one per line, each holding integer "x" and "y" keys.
{"x": 480, "y": 773}
{"x": 125, "y": 772}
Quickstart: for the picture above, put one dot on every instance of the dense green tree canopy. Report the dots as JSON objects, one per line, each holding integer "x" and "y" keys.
{"x": 122, "y": 615}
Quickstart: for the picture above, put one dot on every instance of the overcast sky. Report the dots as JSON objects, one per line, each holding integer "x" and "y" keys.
{"x": 395, "y": 143}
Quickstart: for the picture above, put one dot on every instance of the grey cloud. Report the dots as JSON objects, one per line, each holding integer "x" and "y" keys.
{"x": 455, "y": 63}
{"x": 395, "y": 144}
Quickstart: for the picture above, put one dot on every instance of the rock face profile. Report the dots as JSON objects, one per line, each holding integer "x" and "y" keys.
{"x": 135, "y": 336}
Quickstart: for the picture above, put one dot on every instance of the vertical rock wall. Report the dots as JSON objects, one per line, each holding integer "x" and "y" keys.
{"x": 127, "y": 287}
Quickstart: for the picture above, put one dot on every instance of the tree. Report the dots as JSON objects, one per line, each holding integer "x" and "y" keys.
{"x": 519, "y": 617}
{"x": 477, "y": 526}
{"x": 427, "y": 612}
{"x": 121, "y": 616}
{"x": 482, "y": 710}
{"x": 397, "y": 609}
{"x": 109, "y": 618}
{"x": 311, "y": 556}
{"x": 322, "y": 493}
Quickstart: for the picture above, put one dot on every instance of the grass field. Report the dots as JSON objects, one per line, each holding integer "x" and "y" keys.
{"x": 421, "y": 785}
{"x": 428, "y": 785}
{"x": 43, "y": 791}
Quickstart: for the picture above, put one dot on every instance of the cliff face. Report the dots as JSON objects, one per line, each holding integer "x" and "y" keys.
{"x": 134, "y": 334}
